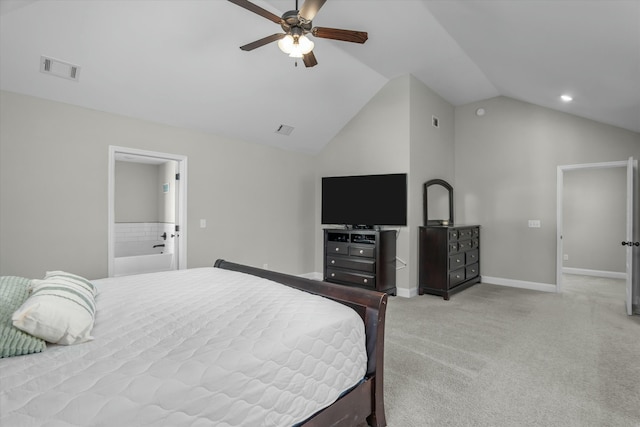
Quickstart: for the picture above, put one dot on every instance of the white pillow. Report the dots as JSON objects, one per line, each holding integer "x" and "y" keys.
{"x": 61, "y": 309}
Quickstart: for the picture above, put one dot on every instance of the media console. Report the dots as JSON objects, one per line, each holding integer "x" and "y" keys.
{"x": 361, "y": 258}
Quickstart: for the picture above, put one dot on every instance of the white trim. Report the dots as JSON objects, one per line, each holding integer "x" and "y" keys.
{"x": 595, "y": 273}
{"x": 534, "y": 286}
{"x": 314, "y": 275}
{"x": 603, "y": 165}
{"x": 406, "y": 293}
{"x": 181, "y": 218}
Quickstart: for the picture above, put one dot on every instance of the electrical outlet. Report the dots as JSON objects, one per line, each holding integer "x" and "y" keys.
{"x": 565, "y": 257}
{"x": 534, "y": 223}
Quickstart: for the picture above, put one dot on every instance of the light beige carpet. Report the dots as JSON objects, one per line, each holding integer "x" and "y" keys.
{"x": 499, "y": 356}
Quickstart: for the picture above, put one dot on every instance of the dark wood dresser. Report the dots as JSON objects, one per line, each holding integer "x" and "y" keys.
{"x": 362, "y": 258}
{"x": 449, "y": 258}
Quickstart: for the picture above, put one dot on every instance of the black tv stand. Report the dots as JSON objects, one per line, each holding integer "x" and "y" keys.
{"x": 362, "y": 258}
{"x": 362, "y": 227}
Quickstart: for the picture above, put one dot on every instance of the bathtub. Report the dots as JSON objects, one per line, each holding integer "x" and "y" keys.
{"x": 138, "y": 264}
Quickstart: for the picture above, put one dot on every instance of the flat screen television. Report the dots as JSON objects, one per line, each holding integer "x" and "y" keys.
{"x": 365, "y": 200}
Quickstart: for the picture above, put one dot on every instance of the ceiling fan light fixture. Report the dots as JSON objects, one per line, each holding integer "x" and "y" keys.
{"x": 286, "y": 43}
{"x": 296, "y": 47}
{"x": 305, "y": 44}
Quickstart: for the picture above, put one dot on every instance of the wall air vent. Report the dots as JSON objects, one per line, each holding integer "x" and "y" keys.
{"x": 59, "y": 68}
{"x": 284, "y": 130}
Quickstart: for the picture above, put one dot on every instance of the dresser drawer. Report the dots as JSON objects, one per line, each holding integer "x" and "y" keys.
{"x": 355, "y": 278}
{"x": 466, "y": 233}
{"x": 456, "y": 277}
{"x": 456, "y": 261}
{"x": 472, "y": 271}
{"x": 453, "y": 235}
{"x": 475, "y": 243}
{"x": 337, "y": 248}
{"x": 367, "y": 265}
{"x": 471, "y": 256}
{"x": 475, "y": 232}
{"x": 464, "y": 245}
{"x": 360, "y": 251}
{"x": 453, "y": 247}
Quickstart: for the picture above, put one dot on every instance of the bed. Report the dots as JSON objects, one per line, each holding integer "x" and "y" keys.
{"x": 210, "y": 346}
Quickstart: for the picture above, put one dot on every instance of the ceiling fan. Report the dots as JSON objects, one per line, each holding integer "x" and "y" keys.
{"x": 296, "y": 24}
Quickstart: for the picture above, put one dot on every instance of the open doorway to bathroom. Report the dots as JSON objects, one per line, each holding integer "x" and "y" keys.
{"x": 147, "y": 211}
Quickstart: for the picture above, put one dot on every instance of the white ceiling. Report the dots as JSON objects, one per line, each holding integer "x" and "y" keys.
{"x": 178, "y": 61}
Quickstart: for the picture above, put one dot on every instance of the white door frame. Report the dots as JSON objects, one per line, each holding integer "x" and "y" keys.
{"x": 181, "y": 212}
{"x": 559, "y": 206}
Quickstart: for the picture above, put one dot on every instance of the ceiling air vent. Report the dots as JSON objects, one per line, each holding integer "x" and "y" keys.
{"x": 284, "y": 130}
{"x": 59, "y": 68}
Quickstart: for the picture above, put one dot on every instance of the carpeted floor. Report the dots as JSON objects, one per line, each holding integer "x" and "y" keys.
{"x": 499, "y": 356}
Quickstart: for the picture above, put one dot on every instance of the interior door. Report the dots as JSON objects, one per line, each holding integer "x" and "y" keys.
{"x": 630, "y": 244}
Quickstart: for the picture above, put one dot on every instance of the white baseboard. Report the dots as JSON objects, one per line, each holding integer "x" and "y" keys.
{"x": 314, "y": 275}
{"x": 406, "y": 293}
{"x": 535, "y": 286}
{"x": 596, "y": 273}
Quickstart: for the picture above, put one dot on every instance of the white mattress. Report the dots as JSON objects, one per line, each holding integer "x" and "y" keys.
{"x": 199, "y": 347}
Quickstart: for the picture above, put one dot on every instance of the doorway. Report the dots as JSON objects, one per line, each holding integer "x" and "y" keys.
{"x": 625, "y": 233}
{"x": 147, "y": 211}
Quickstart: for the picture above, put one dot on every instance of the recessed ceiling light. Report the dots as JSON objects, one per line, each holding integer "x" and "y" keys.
{"x": 566, "y": 98}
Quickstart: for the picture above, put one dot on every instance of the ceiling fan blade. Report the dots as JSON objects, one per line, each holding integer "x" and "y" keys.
{"x": 263, "y": 41}
{"x": 309, "y": 60}
{"x": 342, "y": 35}
{"x": 310, "y": 8}
{"x": 258, "y": 10}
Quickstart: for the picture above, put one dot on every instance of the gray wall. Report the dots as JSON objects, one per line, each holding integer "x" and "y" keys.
{"x": 594, "y": 221}
{"x": 136, "y": 192}
{"x": 506, "y": 163}
{"x": 258, "y": 201}
{"x": 393, "y": 133}
{"x": 262, "y": 204}
{"x": 375, "y": 141}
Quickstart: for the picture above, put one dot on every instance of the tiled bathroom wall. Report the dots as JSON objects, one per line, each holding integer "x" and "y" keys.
{"x": 139, "y": 238}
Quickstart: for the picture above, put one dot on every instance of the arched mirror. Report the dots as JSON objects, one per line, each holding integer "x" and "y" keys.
{"x": 438, "y": 202}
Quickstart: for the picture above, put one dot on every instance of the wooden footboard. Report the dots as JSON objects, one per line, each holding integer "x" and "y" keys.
{"x": 365, "y": 401}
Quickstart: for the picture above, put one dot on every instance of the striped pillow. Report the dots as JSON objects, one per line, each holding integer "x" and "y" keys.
{"x": 60, "y": 310}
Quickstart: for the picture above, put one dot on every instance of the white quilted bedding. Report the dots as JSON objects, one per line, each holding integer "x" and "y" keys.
{"x": 199, "y": 347}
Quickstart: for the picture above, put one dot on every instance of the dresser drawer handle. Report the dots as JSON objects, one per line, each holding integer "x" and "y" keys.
{"x": 337, "y": 249}
{"x": 361, "y": 251}
{"x": 457, "y": 276}
{"x": 333, "y": 274}
{"x": 473, "y": 271}
{"x": 457, "y": 261}
{"x": 365, "y": 280}
{"x": 333, "y": 261}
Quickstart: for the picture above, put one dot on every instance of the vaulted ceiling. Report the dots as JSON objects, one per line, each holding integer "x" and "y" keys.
{"x": 178, "y": 61}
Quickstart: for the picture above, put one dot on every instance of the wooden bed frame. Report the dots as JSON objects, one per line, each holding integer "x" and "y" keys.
{"x": 365, "y": 402}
